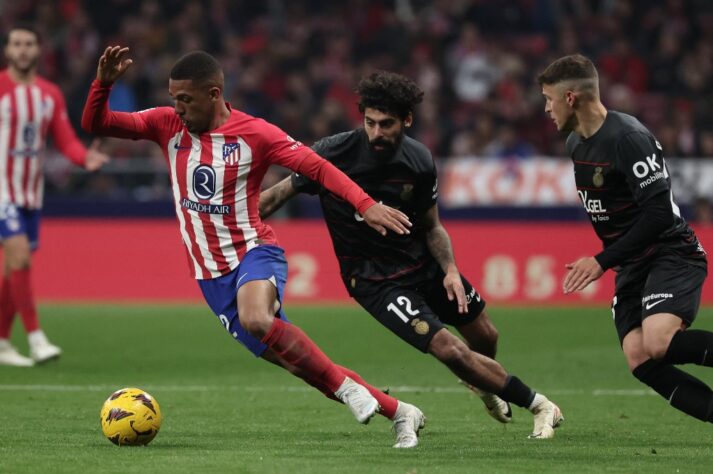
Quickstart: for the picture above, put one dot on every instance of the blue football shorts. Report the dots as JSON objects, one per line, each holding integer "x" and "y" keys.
{"x": 18, "y": 221}
{"x": 265, "y": 262}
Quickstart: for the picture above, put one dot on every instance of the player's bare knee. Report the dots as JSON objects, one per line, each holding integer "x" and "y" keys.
{"x": 635, "y": 360}
{"x": 656, "y": 342}
{"x": 256, "y": 322}
{"x": 17, "y": 257}
{"x": 18, "y": 262}
{"x": 634, "y": 349}
{"x": 656, "y": 348}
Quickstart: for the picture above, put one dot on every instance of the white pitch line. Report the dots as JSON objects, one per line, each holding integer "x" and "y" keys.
{"x": 598, "y": 392}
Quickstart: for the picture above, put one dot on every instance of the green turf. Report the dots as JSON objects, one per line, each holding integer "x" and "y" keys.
{"x": 224, "y": 411}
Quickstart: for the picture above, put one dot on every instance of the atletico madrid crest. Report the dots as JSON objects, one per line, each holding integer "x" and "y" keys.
{"x": 231, "y": 153}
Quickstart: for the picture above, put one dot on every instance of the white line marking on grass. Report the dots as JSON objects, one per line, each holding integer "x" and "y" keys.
{"x": 598, "y": 392}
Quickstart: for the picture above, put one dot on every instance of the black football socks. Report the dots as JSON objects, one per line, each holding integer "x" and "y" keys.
{"x": 683, "y": 391}
{"x": 693, "y": 346}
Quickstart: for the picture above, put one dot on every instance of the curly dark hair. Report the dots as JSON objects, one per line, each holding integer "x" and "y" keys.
{"x": 390, "y": 93}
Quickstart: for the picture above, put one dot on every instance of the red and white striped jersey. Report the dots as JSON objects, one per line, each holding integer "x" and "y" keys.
{"x": 28, "y": 112}
{"x": 216, "y": 176}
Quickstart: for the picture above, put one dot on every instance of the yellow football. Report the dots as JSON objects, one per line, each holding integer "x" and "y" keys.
{"x": 130, "y": 417}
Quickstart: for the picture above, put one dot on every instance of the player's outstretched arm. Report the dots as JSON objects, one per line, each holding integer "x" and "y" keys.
{"x": 113, "y": 64}
{"x": 275, "y": 197}
{"x": 98, "y": 119}
{"x": 439, "y": 244}
{"x": 293, "y": 155}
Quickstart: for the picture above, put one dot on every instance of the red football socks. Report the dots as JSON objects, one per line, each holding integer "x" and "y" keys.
{"x": 7, "y": 309}
{"x": 293, "y": 345}
{"x": 21, "y": 292}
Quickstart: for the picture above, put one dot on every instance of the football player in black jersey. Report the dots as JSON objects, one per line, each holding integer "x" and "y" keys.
{"x": 410, "y": 283}
{"x": 625, "y": 188}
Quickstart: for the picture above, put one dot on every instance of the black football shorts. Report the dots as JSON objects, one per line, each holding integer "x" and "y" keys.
{"x": 416, "y": 312}
{"x": 666, "y": 284}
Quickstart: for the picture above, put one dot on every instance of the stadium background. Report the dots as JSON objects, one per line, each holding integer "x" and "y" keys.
{"x": 507, "y": 195}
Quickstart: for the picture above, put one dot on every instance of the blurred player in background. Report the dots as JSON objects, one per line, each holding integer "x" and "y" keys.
{"x": 625, "y": 187}
{"x": 410, "y": 282}
{"x": 30, "y": 109}
{"x": 217, "y": 158}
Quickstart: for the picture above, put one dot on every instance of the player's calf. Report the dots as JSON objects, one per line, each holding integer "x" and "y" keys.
{"x": 682, "y": 390}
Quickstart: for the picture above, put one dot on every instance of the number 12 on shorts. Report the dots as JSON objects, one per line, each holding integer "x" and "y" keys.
{"x": 406, "y": 304}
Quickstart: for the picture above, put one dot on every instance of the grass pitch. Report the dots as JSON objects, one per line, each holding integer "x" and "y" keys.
{"x": 224, "y": 411}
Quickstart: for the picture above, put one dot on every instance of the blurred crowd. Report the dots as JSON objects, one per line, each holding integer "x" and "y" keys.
{"x": 297, "y": 62}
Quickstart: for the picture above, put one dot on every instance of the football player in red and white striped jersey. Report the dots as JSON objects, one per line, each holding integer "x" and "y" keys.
{"x": 31, "y": 108}
{"x": 217, "y": 157}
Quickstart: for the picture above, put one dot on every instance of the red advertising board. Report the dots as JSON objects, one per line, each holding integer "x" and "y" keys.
{"x": 144, "y": 260}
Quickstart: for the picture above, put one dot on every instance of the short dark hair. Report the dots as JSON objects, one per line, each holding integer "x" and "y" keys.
{"x": 25, "y": 26}
{"x": 197, "y": 66}
{"x": 390, "y": 93}
{"x": 572, "y": 67}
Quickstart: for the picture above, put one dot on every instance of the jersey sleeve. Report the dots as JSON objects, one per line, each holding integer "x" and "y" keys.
{"x": 657, "y": 216}
{"x": 283, "y": 150}
{"x": 63, "y": 134}
{"x": 301, "y": 183}
{"x": 98, "y": 119}
{"x": 640, "y": 158}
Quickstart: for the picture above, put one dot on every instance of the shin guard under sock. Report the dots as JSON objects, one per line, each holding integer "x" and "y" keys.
{"x": 7, "y": 309}
{"x": 683, "y": 391}
{"x": 293, "y": 345}
{"x": 387, "y": 403}
{"x": 22, "y": 297}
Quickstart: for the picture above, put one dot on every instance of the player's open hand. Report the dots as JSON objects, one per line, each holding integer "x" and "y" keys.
{"x": 95, "y": 159}
{"x": 581, "y": 274}
{"x": 113, "y": 64}
{"x": 381, "y": 217}
{"x": 455, "y": 289}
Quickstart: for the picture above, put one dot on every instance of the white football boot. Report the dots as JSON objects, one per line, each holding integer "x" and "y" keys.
{"x": 408, "y": 420}
{"x": 10, "y": 356}
{"x": 362, "y": 404}
{"x": 496, "y": 407}
{"x": 547, "y": 417}
{"x": 42, "y": 350}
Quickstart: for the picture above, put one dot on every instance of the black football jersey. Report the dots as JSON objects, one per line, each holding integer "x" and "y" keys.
{"x": 617, "y": 170}
{"x": 406, "y": 181}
